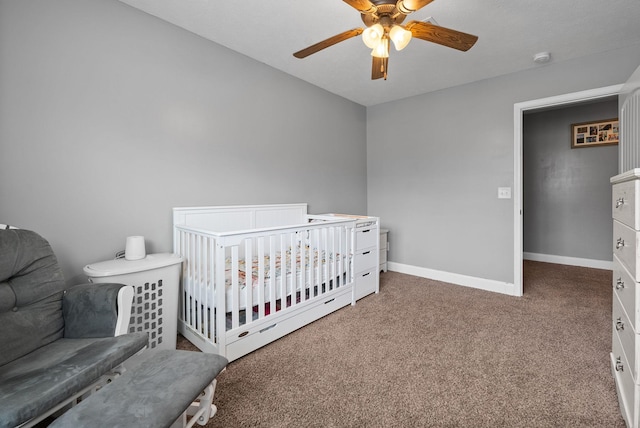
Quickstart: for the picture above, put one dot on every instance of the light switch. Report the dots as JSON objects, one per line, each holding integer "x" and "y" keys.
{"x": 504, "y": 192}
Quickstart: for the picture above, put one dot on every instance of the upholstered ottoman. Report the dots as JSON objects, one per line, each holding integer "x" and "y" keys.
{"x": 160, "y": 392}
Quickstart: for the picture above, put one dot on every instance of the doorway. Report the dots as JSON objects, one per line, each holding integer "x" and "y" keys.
{"x": 519, "y": 110}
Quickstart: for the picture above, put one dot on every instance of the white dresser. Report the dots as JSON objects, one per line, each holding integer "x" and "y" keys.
{"x": 625, "y": 355}
{"x": 366, "y": 259}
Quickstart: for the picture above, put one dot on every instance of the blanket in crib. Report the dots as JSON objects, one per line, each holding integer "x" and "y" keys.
{"x": 312, "y": 259}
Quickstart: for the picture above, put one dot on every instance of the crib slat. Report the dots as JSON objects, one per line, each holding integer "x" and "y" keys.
{"x": 248, "y": 279}
{"x": 293, "y": 268}
{"x": 272, "y": 270}
{"x": 198, "y": 290}
{"x": 185, "y": 272}
{"x": 235, "y": 292}
{"x": 189, "y": 285}
{"x": 261, "y": 274}
{"x": 194, "y": 302}
{"x": 336, "y": 258}
{"x": 304, "y": 284}
{"x": 331, "y": 257}
{"x": 313, "y": 252}
{"x": 344, "y": 264}
{"x": 202, "y": 322}
{"x": 204, "y": 277}
{"x": 185, "y": 275}
{"x": 210, "y": 287}
{"x": 325, "y": 260}
{"x": 318, "y": 254}
{"x": 219, "y": 287}
{"x": 282, "y": 283}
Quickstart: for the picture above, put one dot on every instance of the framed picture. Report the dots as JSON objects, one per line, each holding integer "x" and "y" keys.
{"x": 598, "y": 133}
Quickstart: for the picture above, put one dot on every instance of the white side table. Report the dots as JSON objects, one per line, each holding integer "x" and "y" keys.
{"x": 384, "y": 248}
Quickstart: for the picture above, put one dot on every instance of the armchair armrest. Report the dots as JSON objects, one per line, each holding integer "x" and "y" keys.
{"x": 96, "y": 310}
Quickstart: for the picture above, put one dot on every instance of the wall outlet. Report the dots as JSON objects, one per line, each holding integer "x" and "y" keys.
{"x": 504, "y": 192}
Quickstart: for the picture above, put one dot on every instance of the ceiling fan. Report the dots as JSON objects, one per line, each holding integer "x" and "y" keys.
{"x": 383, "y": 19}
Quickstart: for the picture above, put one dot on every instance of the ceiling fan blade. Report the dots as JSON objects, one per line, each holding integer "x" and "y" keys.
{"x": 328, "y": 42}
{"x": 441, "y": 35}
{"x": 363, "y": 6}
{"x": 379, "y": 68}
{"x": 408, "y": 6}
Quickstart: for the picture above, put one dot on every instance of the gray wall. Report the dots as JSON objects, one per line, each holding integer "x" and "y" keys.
{"x": 566, "y": 192}
{"x": 435, "y": 163}
{"x": 110, "y": 117}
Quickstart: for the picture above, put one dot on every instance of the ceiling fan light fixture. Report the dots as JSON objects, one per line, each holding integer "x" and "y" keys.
{"x": 400, "y": 37}
{"x": 371, "y": 36}
{"x": 383, "y": 21}
{"x": 382, "y": 49}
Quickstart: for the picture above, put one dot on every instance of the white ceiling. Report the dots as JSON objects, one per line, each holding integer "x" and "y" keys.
{"x": 510, "y": 32}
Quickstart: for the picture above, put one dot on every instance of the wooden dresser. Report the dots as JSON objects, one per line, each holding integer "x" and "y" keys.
{"x": 625, "y": 355}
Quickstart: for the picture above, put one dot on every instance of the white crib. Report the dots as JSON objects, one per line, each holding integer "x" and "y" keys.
{"x": 253, "y": 274}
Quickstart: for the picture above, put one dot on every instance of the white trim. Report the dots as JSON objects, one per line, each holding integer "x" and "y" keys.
{"x": 125, "y": 301}
{"x": 571, "y": 261}
{"x": 454, "y": 278}
{"x": 518, "y": 110}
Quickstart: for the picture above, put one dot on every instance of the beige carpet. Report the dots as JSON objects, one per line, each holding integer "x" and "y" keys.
{"x": 425, "y": 353}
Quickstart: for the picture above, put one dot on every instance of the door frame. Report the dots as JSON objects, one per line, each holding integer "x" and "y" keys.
{"x": 518, "y": 112}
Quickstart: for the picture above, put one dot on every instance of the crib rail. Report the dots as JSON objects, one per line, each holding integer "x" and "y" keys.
{"x": 235, "y": 284}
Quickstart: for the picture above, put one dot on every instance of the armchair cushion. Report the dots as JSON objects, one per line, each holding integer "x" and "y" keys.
{"x": 90, "y": 310}
{"x": 31, "y": 286}
{"x": 40, "y": 380}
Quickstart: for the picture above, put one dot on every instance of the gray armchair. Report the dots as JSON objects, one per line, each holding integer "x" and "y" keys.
{"x": 56, "y": 343}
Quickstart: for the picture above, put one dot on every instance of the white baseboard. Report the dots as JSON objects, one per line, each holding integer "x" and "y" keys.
{"x": 571, "y": 261}
{"x": 454, "y": 278}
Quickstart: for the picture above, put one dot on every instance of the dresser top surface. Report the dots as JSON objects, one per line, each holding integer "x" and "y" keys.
{"x": 632, "y": 174}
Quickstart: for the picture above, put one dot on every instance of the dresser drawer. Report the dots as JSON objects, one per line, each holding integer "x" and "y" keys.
{"x": 367, "y": 237}
{"x": 624, "y": 198}
{"x": 626, "y": 290}
{"x": 625, "y": 247}
{"x": 366, "y": 260}
{"x": 627, "y": 336}
{"x": 625, "y": 385}
{"x": 365, "y": 283}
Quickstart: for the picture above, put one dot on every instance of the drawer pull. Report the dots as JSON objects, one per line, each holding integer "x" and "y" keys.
{"x": 268, "y": 328}
{"x": 619, "y": 324}
{"x": 619, "y": 365}
{"x": 619, "y": 243}
{"x": 366, "y": 252}
{"x": 619, "y": 284}
{"x": 366, "y": 274}
{"x": 619, "y": 202}
{"x": 365, "y": 231}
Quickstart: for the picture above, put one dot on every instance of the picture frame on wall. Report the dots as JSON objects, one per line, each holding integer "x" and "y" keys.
{"x": 595, "y": 133}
